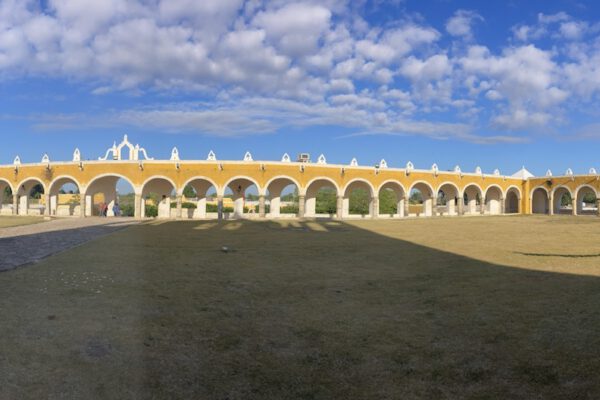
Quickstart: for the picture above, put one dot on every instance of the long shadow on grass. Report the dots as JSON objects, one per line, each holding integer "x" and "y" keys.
{"x": 305, "y": 310}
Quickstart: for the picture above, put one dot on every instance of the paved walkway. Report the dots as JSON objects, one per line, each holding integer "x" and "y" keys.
{"x": 25, "y": 244}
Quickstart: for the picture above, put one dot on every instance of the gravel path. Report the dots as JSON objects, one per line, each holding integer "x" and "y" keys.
{"x": 26, "y": 244}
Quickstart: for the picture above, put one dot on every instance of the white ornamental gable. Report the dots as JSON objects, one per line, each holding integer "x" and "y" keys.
{"x": 211, "y": 156}
{"x": 286, "y": 158}
{"x": 76, "y": 155}
{"x": 248, "y": 156}
{"x": 321, "y": 159}
{"x": 354, "y": 163}
{"x": 549, "y": 173}
{"x": 174, "y": 154}
{"x": 45, "y": 159}
{"x": 383, "y": 164}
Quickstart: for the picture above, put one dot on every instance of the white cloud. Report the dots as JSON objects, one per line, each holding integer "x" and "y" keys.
{"x": 314, "y": 62}
{"x": 460, "y": 23}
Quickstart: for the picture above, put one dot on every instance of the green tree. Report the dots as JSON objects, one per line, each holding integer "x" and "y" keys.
{"x": 359, "y": 202}
{"x": 388, "y": 202}
{"x": 326, "y": 201}
{"x": 189, "y": 192}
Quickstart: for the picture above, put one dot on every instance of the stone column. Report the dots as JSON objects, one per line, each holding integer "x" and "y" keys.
{"x": 340, "y": 207}
{"x": 502, "y": 205}
{"x": 261, "y": 206}
{"x": 375, "y": 207}
{"x": 406, "y": 207}
{"x": 137, "y": 213}
{"x": 82, "y": 205}
{"x": 178, "y": 209}
{"x": 574, "y": 205}
{"x": 550, "y": 205}
{"x": 461, "y": 206}
{"x": 482, "y": 206}
{"x": 598, "y": 206}
{"x": 220, "y": 206}
{"x": 15, "y": 204}
{"x": 301, "y": 206}
{"x": 47, "y": 204}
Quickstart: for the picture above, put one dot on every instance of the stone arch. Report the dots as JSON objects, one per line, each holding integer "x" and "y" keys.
{"x": 494, "y": 197}
{"x": 24, "y": 189}
{"x": 162, "y": 186}
{"x": 312, "y": 188}
{"x": 201, "y": 185}
{"x": 427, "y": 198}
{"x": 6, "y": 202}
{"x": 512, "y": 200}
{"x": 582, "y": 208}
{"x": 64, "y": 207}
{"x": 447, "y": 197}
{"x": 540, "y": 203}
{"x": 357, "y": 183}
{"x": 107, "y": 185}
{"x": 275, "y": 187}
{"x": 238, "y": 185}
{"x": 557, "y": 196}
{"x": 473, "y": 199}
{"x": 398, "y": 189}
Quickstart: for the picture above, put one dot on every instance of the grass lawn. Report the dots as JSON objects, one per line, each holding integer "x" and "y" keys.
{"x": 445, "y": 308}
{"x": 8, "y": 221}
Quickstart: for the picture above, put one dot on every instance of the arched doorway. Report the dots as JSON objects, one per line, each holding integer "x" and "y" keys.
{"x": 6, "y": 198}
{"x": 321, "y": 198}
{"x": 511, "y": 202}
{"x": 244, "y": 194}
{"x": 586, "y": 201}
{"x": 472, "y": 196}
{"x": 391, "y": 200}
{"x": 539, "y": 201}
{"x": 493, "y": 200}
{"x": 65, "y": 197}
{"x": 358, "y": 200}
{"x": 31, "y": 197}
{"x": 199, "y": 199}
{"x": 158, "y": 197}
{"x": 562, "y": 201}
{"x": 282, "y": 197}
{"x": 108, "y": 191}
{"x": 420, "y": 201}
{"x": 447, "y": 199}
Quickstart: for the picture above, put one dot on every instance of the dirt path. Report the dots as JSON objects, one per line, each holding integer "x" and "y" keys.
{"x": 25, "y": 244}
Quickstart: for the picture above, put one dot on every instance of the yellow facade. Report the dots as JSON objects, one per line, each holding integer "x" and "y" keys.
{"x": 223, "y": 174}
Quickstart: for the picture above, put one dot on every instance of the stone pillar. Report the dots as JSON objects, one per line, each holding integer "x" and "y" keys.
{"x": 82, "y": 206}
{"x": 220, "y": 206}
{"x": 598, "y": 206}
{"x": 461, "y": 205}
{"x": 261, "y": 206}
{"x": 375, "y": 207}
{"x": 46, "y": 205}
{"x": 406, "y": 207}
{"x": 15, "y": 204}
{"x": 574, "y": 205}
{"x": 502, "y": 205}
{"x": 340, "y": 207}
{"x": 550, "y": 205}
{"x": 482, "y": 206}
{"x": 137, "y": 207}
{"x": 178, "y": 209}
{"x": 301, "y": 206}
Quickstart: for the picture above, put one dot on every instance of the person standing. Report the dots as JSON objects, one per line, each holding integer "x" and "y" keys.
{"x": 116, "y": 210}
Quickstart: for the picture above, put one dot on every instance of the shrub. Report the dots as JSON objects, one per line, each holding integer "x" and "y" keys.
{"x": 127, "y": 210}
{"x": 184, "y": 205}
{"x": 289, "y": 209}
{"x": 212, "y": 208}
{"x": 151, "y": 210}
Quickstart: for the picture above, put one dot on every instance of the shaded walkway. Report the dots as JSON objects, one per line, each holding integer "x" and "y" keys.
{"x": 25, "y": 244}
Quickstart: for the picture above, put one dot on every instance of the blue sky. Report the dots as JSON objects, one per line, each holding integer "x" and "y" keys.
{"x": 497, "y": 84}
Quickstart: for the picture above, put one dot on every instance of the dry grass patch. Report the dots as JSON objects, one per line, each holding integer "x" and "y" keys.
{"x": 422, "y": 309}
{"x": 8, "y": 221}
